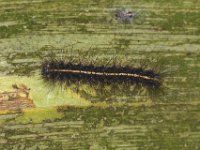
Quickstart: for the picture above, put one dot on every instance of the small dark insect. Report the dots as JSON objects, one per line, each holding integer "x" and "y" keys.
{"x": 125, "y": 16}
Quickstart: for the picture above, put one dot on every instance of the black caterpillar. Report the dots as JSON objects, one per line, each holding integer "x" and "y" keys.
{"x": 67, "y": 72}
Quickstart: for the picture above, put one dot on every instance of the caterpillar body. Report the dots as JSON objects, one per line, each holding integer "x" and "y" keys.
{"x": 68, "y": 72}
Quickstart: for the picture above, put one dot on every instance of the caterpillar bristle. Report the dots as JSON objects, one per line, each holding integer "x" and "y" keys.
{"x": 67, "y": 72}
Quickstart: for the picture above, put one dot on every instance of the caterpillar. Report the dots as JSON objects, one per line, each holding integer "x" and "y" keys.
{"x": 59, "y": 70}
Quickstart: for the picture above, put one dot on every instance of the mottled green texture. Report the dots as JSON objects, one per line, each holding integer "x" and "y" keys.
{"x": 164, "y": 36}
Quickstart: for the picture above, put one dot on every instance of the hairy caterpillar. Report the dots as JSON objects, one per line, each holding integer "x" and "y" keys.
{"x": 62, "y": 71}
